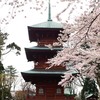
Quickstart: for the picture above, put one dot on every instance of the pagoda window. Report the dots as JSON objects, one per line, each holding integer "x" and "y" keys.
{"x": 58, "y": 91}
{"x": 41, "y": 91}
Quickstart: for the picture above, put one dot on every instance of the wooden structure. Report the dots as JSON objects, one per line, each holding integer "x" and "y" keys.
{"x": 46, "y": 81}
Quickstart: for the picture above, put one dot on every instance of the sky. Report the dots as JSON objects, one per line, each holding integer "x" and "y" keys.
{"x": 18, "y": 33}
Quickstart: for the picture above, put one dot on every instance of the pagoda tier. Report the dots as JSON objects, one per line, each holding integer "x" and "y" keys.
{"x": 35, "y": 52}
{"x": 46, "y": 81}
{"x": 44, "y": 33}
{"x": 40, "y": 56}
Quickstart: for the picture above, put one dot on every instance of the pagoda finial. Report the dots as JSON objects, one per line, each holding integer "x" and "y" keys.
{"x": 49, "y": 11}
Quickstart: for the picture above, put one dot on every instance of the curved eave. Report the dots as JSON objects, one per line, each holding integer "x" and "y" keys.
{"x": 34, "y": 52}
{"x": 36, "y": 75}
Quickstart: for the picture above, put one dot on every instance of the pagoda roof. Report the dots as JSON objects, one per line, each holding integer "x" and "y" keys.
{"x": 47, "y": 25}
{"x": 35, "y": 52}
{"x": 42, "y": 74}
{"x": 37, "y": 75}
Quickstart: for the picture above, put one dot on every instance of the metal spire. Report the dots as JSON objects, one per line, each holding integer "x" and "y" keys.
{"x": 49, "y": 11}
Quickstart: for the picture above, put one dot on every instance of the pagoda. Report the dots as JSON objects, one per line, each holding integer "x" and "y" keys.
{"x": 46, "y": 80}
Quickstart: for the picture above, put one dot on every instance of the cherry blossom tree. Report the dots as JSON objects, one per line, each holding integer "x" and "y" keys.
{"x": 81, "y": 44}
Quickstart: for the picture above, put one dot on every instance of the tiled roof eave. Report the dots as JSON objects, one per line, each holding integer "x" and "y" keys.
{"x": 43, "y": 48}
{"x": 50, "y": 72}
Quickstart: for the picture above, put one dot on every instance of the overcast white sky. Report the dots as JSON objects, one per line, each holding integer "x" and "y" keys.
{"x": 18, "y": 33}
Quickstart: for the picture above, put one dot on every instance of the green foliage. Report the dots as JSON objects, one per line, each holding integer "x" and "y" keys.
{"x": 3, "y": 37}
{"x": 13, "y": 46}
{"x": 10, "y": 71}
{"x": 7, "y": 77}
{"x": 89, "y": 87}
{"x": 5, "y": 94}
{"x": 1, "y": 67}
